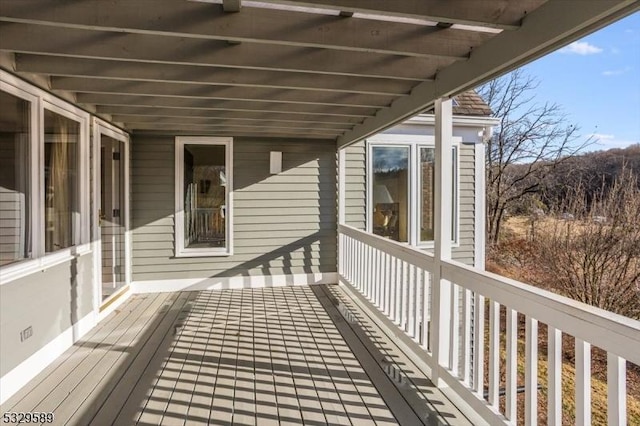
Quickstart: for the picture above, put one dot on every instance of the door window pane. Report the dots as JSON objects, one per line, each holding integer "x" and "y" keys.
{"x": 61, "y": 153}
{"x": 205, "y": 181}
{"x": 15, "y": 217}
{"x": 390, "y": 192}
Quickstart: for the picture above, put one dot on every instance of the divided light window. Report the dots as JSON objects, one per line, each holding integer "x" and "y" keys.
{"x": 401, "y": 191}
{"x": 203, "y": 196}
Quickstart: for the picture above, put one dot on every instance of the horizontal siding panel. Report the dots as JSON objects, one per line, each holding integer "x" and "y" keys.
{"x": 292, "y": 186}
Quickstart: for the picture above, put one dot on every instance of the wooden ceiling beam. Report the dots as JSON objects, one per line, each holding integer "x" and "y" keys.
{"x": 132, "y": 113}
{"x": 102, "y": 100}
{"x": 195, "y": 91}
{"x": 154, "y": 72}
{"x": 501, "y": 14}
{"x": 82, "y": 43}
{"x": 171, "y": 18}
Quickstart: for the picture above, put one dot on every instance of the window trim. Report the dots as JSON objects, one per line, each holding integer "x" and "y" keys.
{"x": 41, "y": 260}
{"x": 414, "y": 142}
{"x": 180, "y": 250}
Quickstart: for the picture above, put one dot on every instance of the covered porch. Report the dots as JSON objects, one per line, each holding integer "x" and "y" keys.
{"x": 196, "y": 331}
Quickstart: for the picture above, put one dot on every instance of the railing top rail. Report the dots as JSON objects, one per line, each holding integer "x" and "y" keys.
{"x": 401, "y": 251}
{"x": 609, "y": 331}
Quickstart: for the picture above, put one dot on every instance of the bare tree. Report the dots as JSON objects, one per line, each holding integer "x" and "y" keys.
{"x": 531, "y": 139}
{"x": 595, "y": 258}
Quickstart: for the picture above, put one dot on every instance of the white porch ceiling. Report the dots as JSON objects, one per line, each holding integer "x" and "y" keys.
{"x": 329, "y": 69}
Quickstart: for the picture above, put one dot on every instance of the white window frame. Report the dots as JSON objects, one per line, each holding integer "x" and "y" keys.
{"x": 414, "y": 142}
{"x": 41, "y": 260}
{"x": 180, "y": 249}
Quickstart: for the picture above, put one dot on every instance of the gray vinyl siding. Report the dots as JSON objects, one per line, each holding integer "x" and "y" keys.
{"x": 283, "y": 224}
{"x": 355, "y": 185}
{"x": 465, "y": 251}
{"x": 49, "y": 301}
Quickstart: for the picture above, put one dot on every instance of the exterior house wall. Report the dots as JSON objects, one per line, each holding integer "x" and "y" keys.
{"x": 355, "y": 193}
{"x": 50, "y": 302}
{"x": 283, "y": 224}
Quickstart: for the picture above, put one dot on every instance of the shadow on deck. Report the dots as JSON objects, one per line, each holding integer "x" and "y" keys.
{"x": 286, "y": 355}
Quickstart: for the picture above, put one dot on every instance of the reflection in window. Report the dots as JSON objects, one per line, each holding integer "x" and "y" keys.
{"x": 15, "y": 217}
{"x": 61, "y": 154}
{"x": 427, "y": 185}
{"x": 390, "y": 192}
{"x": 205, "y": 196}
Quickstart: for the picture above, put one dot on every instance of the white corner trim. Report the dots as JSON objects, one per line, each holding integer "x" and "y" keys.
{"x": 15, "y": 379}
{"x": 479, "y": 231}
{"x": 238, "y": 282}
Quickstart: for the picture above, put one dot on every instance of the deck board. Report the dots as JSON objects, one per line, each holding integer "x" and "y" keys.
{"x": 274, "y": 356}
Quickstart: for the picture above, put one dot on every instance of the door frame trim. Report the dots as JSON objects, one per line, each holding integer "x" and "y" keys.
{"x": 101, "y": 127}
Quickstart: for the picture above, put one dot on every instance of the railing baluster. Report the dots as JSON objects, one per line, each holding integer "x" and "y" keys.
{"x": 426, "y": 288}
{"x": 411, "y": 296}
{"x": 478, "y": 345}
{"x": 399, "y": 268}
{"x": 392, "y": 289}
{"x": 379, "y": 280}
{"x": 554, "y": 370}
{"x": 454, "y": 345}
{"x": 531, "y": 372}
{"x": 583, "y": 383}
{"x": 511, "y": 380}
{"x": 616, "y": 390}
{"x": 405, "y": 295}
{"x": 465, "y": 372}
{"x": 494, "y": 352}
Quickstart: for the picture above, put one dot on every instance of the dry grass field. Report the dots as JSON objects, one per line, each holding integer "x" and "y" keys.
{"x": 515, "y": 257}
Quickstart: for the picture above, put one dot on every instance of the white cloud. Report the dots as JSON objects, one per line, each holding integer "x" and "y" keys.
{"x": 608, "y": 141}
{"x": 621, "y": 71}
{"x": 581, "y": 48}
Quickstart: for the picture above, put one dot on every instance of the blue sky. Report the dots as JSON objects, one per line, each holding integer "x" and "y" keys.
{"x": 596, "y": 81}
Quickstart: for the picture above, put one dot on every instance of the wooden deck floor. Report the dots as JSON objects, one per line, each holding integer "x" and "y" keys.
{"x": 288, "y": 355}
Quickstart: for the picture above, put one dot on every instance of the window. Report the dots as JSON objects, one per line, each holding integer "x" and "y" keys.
{"x": 401, "y": 172}
{"x": 426, "y": 194}
{"x": 15, "y": 179}
{"x": 390, "y": 181}
{"x": 61, "y": 205}
{"x": 44, "y": 179}
{"x": 203, "y": 196}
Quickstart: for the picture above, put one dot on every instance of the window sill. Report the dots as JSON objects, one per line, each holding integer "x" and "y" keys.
{"x": 188, "y": 253}
{"x": 25, "y": 268}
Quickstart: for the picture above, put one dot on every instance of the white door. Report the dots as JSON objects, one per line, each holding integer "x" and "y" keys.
{"x": 112, "y": 250}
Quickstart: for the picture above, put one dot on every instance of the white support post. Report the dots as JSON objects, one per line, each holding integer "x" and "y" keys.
{"x": 441, "y": 319}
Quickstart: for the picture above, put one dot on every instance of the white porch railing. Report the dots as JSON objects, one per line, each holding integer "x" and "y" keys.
{"x": 397, "y": 279}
